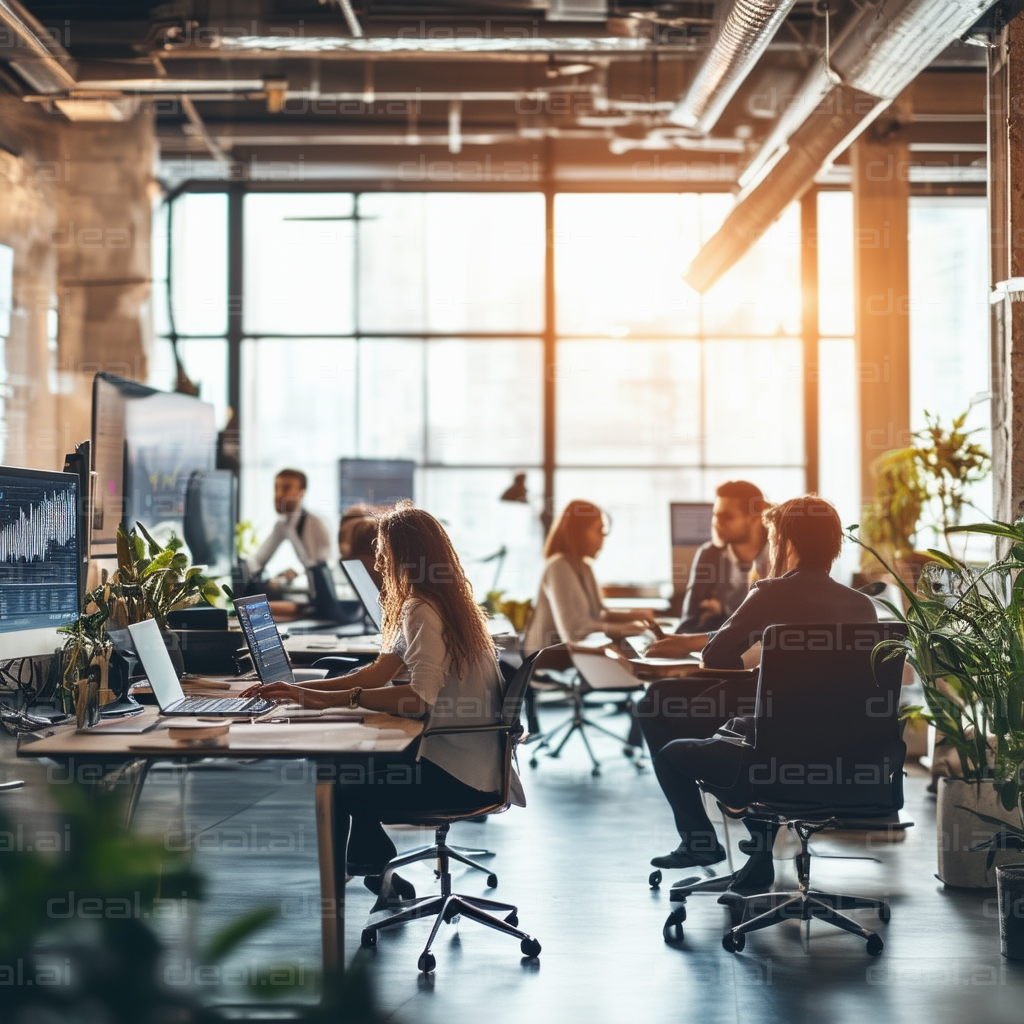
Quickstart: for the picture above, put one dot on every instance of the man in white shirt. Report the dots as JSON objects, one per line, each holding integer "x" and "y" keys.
{"x": 306, "y": 532}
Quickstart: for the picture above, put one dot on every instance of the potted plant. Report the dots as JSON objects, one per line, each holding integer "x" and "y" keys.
{"x": 965, "y": 639}
{"x": 150, "y": 582}
{"x": 923, "y": 485}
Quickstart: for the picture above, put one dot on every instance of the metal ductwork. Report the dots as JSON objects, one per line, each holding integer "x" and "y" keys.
{"x": 743, "y": 36}
{"x": 876, "y": 58}
{"x": 45, "y": 66}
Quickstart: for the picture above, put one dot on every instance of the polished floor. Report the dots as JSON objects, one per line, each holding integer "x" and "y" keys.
{"x": 575, "y": 862}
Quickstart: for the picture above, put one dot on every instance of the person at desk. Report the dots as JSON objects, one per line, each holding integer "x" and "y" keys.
{"x": 724, "y": 568}
{"x": 306, "y": 532}
{"x": 804, "y": 539}
{"x": 435, "y": 632}
{"x": 357, "y": 538}
{"x": 569, "y": 605}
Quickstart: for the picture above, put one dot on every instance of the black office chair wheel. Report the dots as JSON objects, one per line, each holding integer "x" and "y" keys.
{"x": 530, "y": 948}
{"x": 492, "y": 881}
{"x": 451, "y": 915}
{"x": 533, "y": 762}
{"x": 884, "y": 913}
{"x": 875, "y": 945}
{"x": 426, "y": 962}
{"x": 654, "y": 879}
{"x": 672, "y": 929}
{"x": 512, "y": 919}
{"x": 368, "y": 939}
{"x": 595, "y": 771}
{"x": 733, "y": 943}
{"x": 628, "y": 751}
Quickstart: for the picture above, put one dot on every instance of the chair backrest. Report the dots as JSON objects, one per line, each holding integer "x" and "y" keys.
{"x": 827, "y": 730}
{"x": 515, "y": 692}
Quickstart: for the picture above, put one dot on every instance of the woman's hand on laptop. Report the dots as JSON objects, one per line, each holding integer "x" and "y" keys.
{"x": 299, "y": 694}
{"x": 679, "y": 645}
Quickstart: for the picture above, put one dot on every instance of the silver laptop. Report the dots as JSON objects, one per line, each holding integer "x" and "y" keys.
{"x": 366, "y": 590}
{"x": 268, "y": 654}
{"x": 156, "y": 662}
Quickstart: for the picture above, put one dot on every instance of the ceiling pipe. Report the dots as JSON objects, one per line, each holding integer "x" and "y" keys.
{"x": 51, "y": 56}
{"x": 743, "y": 36}
{"x": 878, "y": 57}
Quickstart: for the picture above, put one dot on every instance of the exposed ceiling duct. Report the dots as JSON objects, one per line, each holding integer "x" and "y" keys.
{"x": 878, "y": 56}
{"x": 45, "y": 66}
{"x": 743, "y": 36}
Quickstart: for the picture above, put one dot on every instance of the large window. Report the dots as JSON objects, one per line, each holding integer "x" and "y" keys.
{"x": 410, "y": 325}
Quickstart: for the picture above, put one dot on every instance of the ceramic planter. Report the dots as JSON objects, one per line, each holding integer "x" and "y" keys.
{"x": 959, "y": 830}
{"x": 1010, "y": 883}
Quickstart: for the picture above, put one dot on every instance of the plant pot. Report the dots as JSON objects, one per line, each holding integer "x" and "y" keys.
{"x": 959, "y": 830}
{"x": 1010, "y": 883}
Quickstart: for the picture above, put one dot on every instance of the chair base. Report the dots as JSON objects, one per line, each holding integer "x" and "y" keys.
{"x": 579, "y": 722}
{"x": 445, "y": 907}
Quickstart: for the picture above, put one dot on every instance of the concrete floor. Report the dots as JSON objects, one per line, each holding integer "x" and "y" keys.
{"x": 575, "y": 861}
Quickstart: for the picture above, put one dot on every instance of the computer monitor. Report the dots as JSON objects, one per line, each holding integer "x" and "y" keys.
{"x": 374, "y": 481}
{"x": 211, "y": 512}
{"x": 168, "y": 437}
{"x": 39, "y": 560}
{"x": 366, "y": 590}
{"x": 691, "y": 523}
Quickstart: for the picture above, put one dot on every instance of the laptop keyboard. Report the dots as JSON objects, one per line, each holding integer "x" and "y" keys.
{"x": 208, "y": 706}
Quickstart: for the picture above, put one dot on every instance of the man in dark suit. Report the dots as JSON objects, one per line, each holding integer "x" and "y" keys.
{"x": 804, "y": 539}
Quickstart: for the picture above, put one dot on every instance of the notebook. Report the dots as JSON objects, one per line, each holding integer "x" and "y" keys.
{"x": 268, "y": 654}
{"x": 156, "y": 662}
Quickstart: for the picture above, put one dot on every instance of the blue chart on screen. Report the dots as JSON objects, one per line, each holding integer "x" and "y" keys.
{"x": 38, "y": 551}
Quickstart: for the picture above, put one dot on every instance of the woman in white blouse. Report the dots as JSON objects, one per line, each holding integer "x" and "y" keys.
{"x": 436, "y": 637}
{"x": 569, "y": 604}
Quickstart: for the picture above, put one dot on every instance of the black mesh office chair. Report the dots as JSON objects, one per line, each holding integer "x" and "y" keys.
{"x": 826, "y": 753}
{"x": 446, "y": 906}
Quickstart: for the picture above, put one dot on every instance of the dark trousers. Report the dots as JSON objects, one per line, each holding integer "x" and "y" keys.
{"x": 392, "y": 788}
{"x": 693, "y": 707}
{"x": 720, "y": 764}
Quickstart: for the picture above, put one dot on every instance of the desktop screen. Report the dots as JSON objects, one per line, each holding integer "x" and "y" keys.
{"x": 691, "y": 523}
{"x": 211, "y": 512}
{"x": 39, "y": 568}
{"x": 374, "y": 481}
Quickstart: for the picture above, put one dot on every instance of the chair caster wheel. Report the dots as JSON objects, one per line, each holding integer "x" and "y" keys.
{"x": 672, "y": 929}
{"x": 595, "y": 771}
{"x": 884, "y": 914}
{"x": 732, "y": 943}
{"x": 368, "y": 939}
{"x": 875, "y": 945}
{"x": 530, "y": 948}
{"x": 426, "y": 962}
{"x": 533, "y": 762}
{"x": 512, "y": 919}
{"x": 627, "y": 751}
{"x": 492, "y": 881}
{"x": 654, "y": 879}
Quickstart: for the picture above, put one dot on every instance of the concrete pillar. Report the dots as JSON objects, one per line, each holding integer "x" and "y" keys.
{"x": 1006, "y": 224}
{"x": 880, "y": 161}
{"x": 75, "y": 202}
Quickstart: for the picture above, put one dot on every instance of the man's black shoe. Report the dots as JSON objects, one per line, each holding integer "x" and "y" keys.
{"x": 681, "y": 857}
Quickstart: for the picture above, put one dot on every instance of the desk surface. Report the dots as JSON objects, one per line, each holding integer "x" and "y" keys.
{"x": 308, "y": 738}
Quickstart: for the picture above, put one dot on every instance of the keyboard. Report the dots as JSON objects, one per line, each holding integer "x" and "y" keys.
{"x": 214, "y": 705}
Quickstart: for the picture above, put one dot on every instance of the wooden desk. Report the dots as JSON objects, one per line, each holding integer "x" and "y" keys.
{"x": 100, "y": 752}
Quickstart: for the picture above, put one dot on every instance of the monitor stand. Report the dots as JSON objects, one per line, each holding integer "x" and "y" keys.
{"x": 120, "y": 671}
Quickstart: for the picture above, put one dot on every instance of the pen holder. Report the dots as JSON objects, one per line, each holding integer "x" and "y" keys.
{"x": 87, "y": 703}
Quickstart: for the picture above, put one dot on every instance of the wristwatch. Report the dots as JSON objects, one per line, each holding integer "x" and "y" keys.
{"x": 353, "y": 700}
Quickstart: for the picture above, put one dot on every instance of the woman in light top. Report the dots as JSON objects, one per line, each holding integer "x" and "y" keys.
{"x": 569, "y": 604}
{"x": 435, "y": 636}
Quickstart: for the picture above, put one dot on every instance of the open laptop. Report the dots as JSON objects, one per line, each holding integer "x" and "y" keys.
{"x": 268, "y": 654}
{"x": 156, "y": 662}
{"x": 366, "y": 590}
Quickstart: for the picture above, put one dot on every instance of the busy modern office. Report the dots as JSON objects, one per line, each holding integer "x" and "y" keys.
{"x": 511, "y": 509}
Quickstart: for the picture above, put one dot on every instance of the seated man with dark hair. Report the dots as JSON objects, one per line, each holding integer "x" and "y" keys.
{"x": 724, "y": 568}
{"x": 804, "y": 539}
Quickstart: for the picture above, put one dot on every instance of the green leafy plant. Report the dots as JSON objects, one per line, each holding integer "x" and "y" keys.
{"x": 965, "y": 639}
{"x": 151, "y": 581}
{"x": 925, "y": 484}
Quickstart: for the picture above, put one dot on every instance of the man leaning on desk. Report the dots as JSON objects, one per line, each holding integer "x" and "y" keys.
{"x": 306, "y": 532}
{"x": 727, "y": 565}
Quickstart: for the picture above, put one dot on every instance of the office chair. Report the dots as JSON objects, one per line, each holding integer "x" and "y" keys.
{"x": 324, "y": 597}
{"x": 826, "y": 753}
{"x": 446, "y": 906}
{"x": 591, "y": 671}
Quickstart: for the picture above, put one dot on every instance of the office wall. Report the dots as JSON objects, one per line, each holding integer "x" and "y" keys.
{"x": 75, "y": 203}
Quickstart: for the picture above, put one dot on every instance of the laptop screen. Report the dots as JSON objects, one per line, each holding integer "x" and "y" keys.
{"x": 268, "y": 653}
{"x": 156, "y": 662}
{"x": 365, "y": 588}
